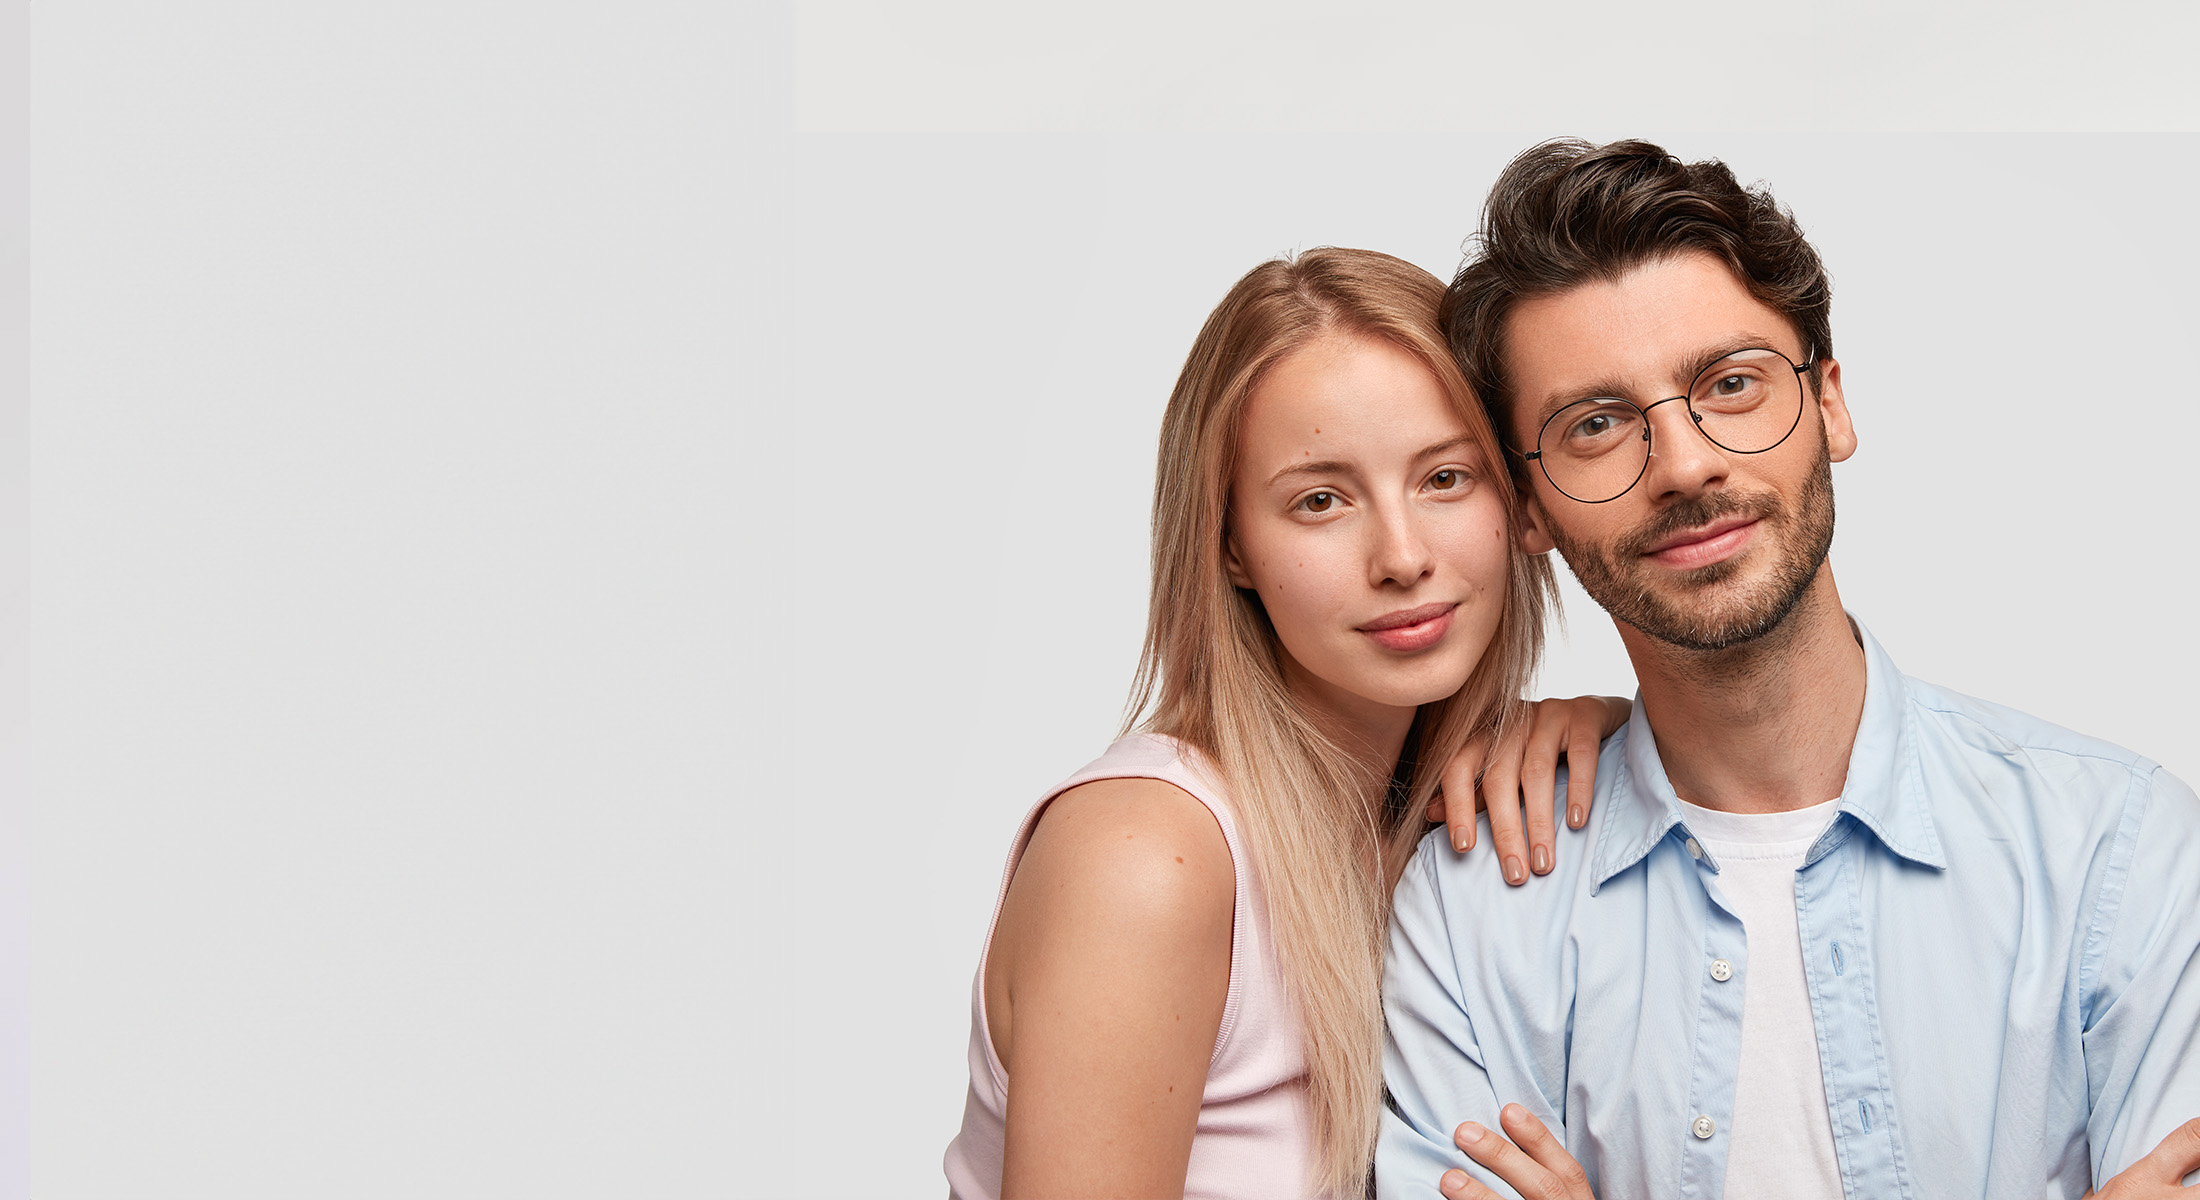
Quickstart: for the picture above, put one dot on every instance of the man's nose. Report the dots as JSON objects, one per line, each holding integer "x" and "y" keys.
{"x": 1400, "y": 554}
{"x": 1683, "y": 462}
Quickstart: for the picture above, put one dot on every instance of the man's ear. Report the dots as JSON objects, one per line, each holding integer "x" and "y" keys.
{"x": 1833, "y": 412}
{"x": 1232, "y": 565}
{"x": 1535, "y": 535}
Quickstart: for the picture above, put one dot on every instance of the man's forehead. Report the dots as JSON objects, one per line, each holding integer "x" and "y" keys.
{"x": 1634, "y": 331}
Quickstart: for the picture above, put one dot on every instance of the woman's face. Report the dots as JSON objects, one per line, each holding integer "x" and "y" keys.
{"x": 1370, "y": 525}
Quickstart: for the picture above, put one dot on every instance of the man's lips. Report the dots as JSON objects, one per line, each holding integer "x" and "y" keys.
{"x": 1412, "y": 628}
{"x": 1706, "y": 544}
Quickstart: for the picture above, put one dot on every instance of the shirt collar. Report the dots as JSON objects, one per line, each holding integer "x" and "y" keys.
{"x": 1884, "y": 793}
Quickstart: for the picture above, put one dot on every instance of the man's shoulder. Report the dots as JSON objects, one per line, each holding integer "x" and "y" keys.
{"x": 1965, "y": 721}
{"x": 1474, "y": 881}
{"x": 2071, "y": 777}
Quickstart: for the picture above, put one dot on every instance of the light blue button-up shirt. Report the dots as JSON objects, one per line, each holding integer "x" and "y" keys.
{"x": 2000, "y": 936}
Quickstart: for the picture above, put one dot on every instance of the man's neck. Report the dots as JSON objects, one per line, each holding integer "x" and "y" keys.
{"x": 1765, "y": 726}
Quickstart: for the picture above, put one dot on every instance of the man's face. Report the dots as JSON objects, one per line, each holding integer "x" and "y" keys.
{"x": 1710, "y": 548}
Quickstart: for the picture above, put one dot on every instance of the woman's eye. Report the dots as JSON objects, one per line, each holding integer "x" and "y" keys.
{"x": 1448, "y": 480}
{"x": 1319, "y": 502}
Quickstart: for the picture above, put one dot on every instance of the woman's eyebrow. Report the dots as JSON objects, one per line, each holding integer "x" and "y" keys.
{"x": 1464, "y": 440}
{"x": 1334, "y": 467}
{"x": 1328, "y": 466}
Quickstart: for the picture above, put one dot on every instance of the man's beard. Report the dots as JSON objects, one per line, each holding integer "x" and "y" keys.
{"x": 1621, "y": 581}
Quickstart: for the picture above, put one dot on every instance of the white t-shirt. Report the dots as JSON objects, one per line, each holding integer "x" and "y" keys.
{"x": 1782, "y": 1136}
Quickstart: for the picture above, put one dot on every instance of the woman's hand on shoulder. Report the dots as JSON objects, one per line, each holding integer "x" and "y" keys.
{"x": 1105, "y": 986}
{"x": 1514, "y": 778}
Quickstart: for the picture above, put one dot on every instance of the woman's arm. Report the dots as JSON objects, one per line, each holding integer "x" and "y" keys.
{"x": 1104, "y": 990}
{"x": 1516, "y": 777}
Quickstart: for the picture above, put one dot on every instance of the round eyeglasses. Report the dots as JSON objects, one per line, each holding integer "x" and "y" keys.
{"x": 1594, "y": 450}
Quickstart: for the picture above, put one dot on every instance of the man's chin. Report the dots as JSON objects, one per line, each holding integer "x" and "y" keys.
{"x": 1711, "y": 635}
{"x": 1709, "y": 609}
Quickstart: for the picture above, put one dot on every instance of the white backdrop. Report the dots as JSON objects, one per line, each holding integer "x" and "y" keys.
{"x": 561, "y": 544}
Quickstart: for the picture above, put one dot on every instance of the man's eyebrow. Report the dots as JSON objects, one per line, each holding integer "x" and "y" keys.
{"x": 1598, "y": 390}
{"x": 1687, "y": 366}
{"x": 1334, "y": 467}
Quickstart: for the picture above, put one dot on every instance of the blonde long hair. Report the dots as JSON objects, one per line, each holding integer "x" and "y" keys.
{"x": 1327, "y": 837}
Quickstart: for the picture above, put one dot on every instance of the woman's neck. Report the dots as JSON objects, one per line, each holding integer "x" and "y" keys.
{"x": 1373, "y": 734}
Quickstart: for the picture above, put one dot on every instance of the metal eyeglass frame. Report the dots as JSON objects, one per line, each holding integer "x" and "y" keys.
{"x": 1536, "y": 455}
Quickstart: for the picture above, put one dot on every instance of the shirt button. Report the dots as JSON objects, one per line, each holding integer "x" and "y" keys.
{"x": 1695, "y": 850}
{"x": 1721, "y": 970}
{"x": 1703, "y": 1127}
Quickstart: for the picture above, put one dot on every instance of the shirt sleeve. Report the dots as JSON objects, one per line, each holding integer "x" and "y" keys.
{"x": 1433, "y": 1067}
{"x": 2142, "y": 1035}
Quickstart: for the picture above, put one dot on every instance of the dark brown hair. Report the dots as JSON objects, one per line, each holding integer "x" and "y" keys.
{"x": 1566, "y": 213}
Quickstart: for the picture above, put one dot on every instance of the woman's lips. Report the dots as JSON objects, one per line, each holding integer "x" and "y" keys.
{"x": 1693, "y": 550}
{"x": 1413, "y": 628}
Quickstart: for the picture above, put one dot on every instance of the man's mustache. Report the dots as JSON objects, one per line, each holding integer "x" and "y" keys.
{"x": 1695, "y": 513}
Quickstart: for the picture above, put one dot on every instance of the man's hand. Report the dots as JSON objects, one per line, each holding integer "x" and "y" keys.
{"x": 1516, "y": 775}
{"x": 1537, "y": 1167}
{"x": 2160, "y": 1175}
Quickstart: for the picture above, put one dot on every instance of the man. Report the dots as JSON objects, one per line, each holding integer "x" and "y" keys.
{"x": 1830, "y": 931}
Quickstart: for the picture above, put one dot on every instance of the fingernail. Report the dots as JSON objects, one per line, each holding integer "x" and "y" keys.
{"x": 1453, "y": 1181}
{"x": 1512, "y": 1114}
{"x": 1459, "y": 840}
{"x": 1471, "y": 1132}
{"x": 1574, "y": 817}
{"x": 1542, "y": 860}
{"x": 1513, "y": 873}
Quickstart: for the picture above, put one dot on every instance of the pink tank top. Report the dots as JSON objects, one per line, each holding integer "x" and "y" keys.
{"x": 1253, "y": 1139}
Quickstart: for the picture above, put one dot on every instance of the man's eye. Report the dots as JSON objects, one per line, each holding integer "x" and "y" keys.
{"x": 1319, "y": 502}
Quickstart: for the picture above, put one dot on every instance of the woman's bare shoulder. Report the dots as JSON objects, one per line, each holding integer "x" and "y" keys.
{"x": 1144, "y": 847}
{"x": 1120, "y": 915}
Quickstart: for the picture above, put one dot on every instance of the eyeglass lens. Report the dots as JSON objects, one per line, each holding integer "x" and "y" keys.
{"x": 1748, "y": 402}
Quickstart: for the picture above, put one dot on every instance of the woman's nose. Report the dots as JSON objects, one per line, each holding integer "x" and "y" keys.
{"x": 1401, "y": 554}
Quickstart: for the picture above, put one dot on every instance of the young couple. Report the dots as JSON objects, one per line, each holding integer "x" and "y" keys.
{"x": 1829, "y": 931}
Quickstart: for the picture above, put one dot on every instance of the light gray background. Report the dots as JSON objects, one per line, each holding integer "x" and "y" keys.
{"x": 562, "y": 539}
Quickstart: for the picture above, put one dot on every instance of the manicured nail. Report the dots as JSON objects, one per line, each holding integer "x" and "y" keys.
{"x": 1574, "y": 817}
{"x": 1471, "y": 1132}
{"x": 1542, "y": 860}
{"x": 1513, "y": 873}
{"x": 1453, "y": 1182}
{"x": 1460, "y": 842}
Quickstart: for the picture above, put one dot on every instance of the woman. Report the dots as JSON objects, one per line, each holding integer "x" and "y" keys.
{"x": 1183, "y": 973}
